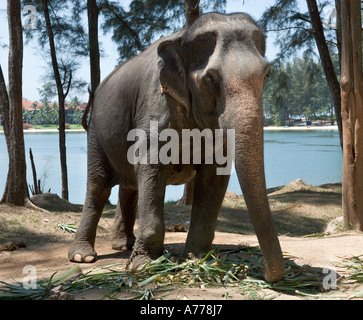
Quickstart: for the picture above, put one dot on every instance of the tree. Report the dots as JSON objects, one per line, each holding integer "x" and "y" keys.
{"x": 191, "y": 14}
{"x": 61, "y": 99}
{"x": 77, "y": 116}
{"x": 16, "y": 190}
{"x": 302, "y": 30}
{"x": 47, "y": 92}
{"x": 295, "y": 89}
{"x": 93, "y": 11}
{"x": 326, "y": 62}
{"x": 42, "y": 115}
{"x": 74, "y": 103}
{"x": 352, "y": 113}
{"x": 276, "y": 94}
{"x": 191, "y": 11}
{"x": 135, "y": 29}
{"x": 61, "y": 31}
{"x": 308, "y": 94}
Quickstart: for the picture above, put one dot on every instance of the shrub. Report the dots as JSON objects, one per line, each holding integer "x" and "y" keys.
{"x": 26, "y": 126}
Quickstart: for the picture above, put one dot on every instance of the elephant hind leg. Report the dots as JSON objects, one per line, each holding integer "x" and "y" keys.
{"x": 123, "y": 237}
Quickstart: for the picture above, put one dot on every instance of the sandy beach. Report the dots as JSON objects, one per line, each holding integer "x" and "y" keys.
{"x": 293, "y": 128}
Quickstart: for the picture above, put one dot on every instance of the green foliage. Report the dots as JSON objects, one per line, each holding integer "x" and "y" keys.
{"x": 47, "y": 92}
{"x": 292, "y": 28}
{"x": 69, "y": 32}
{"x": 240, "y": 268}
{"x": 296, "y": 89}
{"x": 77, "y": 116}
{"x": 70, "y": 40}
{"x": 47, "y": 114}
{"x": 135, "y": 28}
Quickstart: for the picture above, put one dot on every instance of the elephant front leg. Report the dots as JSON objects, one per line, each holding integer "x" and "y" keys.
{"x": 209, "y": 191}
{"x": 151, "y": 229}
{"x": 82, "y": 248}
{"x": 123, "y": 237}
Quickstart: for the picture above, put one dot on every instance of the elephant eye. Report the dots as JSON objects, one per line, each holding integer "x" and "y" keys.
{"x": 212, "y": 76}
{"x": 212, "y": 81}
{"x": 208, "y": 78}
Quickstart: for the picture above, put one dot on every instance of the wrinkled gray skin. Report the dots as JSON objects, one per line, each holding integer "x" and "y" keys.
{"x": 210, "y": 75}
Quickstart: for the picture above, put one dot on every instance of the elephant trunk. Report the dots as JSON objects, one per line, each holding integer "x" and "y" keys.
{"x": 244, "y": 113}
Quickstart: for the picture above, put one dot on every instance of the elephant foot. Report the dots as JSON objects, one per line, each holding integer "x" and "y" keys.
{"x": 123, "y": 243}
{"x": 82, "y": 252}
{"x": 140, "y": 257}
{"x": 196, "y": 251}
{"x": 273, "y": 273}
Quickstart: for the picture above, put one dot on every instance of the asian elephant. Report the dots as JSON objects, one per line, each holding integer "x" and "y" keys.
{"x": 209, "y": 75}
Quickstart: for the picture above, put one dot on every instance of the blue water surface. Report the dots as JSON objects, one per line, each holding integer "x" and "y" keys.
{"x": 314, "y": 156}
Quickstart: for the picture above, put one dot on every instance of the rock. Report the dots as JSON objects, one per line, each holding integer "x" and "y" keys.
{"x": 298, "y": 184}
{"x": 52, "y": 202}
{"x": 335, "y": 225}
{"x": 232, "y": 196}
{"x": 12, "y": 246}
{"x": 176, "y": 228}
{"x": 57, "y": 293}
{"x": 232, "y": 199}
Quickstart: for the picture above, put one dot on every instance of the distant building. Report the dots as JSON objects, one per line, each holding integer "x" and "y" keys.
{"x": 34, "y": 107}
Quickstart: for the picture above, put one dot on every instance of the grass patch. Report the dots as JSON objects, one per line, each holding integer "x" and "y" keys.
{"x": 354, "y": 267}
{"x": 10, "y": 227}
{"x": 239, "y": 268}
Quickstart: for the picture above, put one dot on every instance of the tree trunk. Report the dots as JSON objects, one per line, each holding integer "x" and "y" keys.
{"x": 338, "y": 8}
{"x": 61, "y": 102}
{"x": 36, "y": 183}
{"x": 326, "y": 62}
{"x": 16, "y": 190}
{"x": 191, "y": 11}
{"x": 4, "y": 108}
{"x": 352, "y": 114}
{"x": 93, "y": 11}
{"x": 191, "y": 14}
{"x": 62, "y": 148}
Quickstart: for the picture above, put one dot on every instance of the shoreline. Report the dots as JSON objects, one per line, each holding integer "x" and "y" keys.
{"x": 295, "y": 128}
{"x": 48, "y": 130}
{"x": 270, "y": 128}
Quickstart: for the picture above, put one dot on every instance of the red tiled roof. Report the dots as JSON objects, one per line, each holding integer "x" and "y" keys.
{"x": 27, "y": 105}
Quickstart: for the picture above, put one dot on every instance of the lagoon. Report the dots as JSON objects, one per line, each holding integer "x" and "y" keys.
{"x": 313, "y": 155}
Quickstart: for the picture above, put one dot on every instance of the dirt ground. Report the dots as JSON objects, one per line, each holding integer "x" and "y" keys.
{"x": 303, "y": 217}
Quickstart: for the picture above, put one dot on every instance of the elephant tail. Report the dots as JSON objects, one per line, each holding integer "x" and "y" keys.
{"x": 86, "y": 111}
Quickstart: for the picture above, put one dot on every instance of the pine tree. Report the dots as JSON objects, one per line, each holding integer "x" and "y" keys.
{"x": 60, "y": 29}
{"x": 16, "y": 191}
{"x": 298, "y": 30}
{"x": 352, "y": 113}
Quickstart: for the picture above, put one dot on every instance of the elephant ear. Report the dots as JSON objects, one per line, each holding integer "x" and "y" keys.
{"x": 173, "y": 75}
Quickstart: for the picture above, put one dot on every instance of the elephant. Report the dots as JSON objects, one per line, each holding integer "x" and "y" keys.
{"x": 208, "y": 75}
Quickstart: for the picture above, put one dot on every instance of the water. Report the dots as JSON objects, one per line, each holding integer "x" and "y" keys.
{"x": 314, "y": 156}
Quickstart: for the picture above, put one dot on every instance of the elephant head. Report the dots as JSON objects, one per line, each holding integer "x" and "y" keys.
{"x": 216, "y": 70}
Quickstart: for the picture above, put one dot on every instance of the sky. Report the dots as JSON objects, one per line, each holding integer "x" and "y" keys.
{"x": 34, "y": 66}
